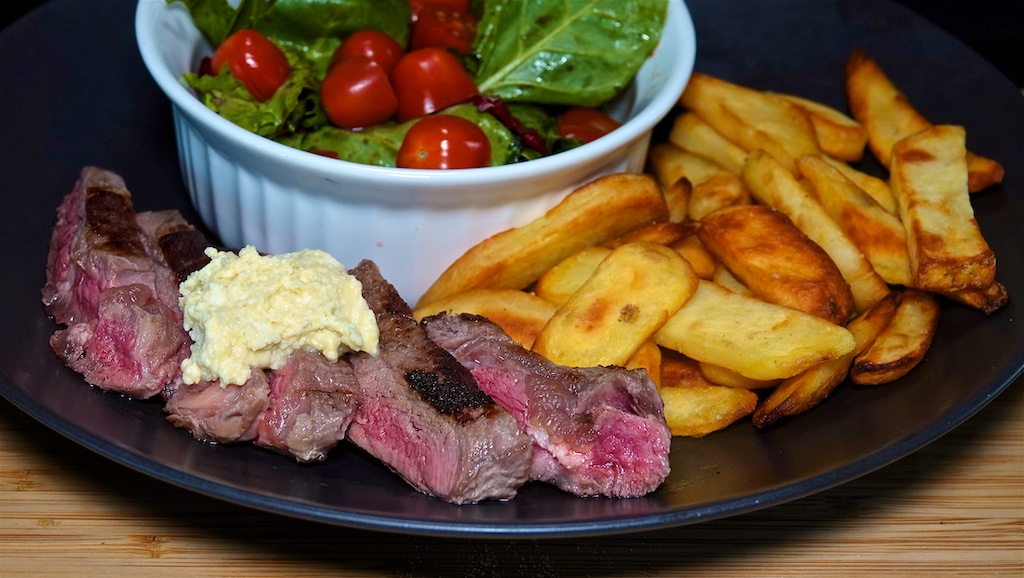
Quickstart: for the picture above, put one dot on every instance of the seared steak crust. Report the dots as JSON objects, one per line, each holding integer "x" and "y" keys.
{"x": 96, "y": 244}
{"x": 422, "y": 414}
{"x": 597, "y": 430}
{"x": 117, "y": 298}
{"x": 181, "y": 246}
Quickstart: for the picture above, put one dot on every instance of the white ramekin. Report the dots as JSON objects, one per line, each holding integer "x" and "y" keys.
{"x": 412, "y": 223}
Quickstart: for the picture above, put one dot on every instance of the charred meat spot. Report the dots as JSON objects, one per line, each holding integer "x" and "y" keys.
{"x": 111, "y": 218}
{"x": 184, "y": 252}
{"x": 448, "y": 396}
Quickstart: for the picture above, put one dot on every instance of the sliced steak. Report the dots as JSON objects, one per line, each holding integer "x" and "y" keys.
{"x": 219, "y": 414}
{"x": 97, "y": 244}
{"x": 181, "y": 246}
{"x": 108, "y": 281}
{"x": 312, "y": 403}
{"x": 422, "y": 414}
{"x": 598, "y": 430}
{"x": 133, "y": 345}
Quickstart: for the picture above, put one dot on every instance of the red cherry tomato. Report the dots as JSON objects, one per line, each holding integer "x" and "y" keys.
{"x": 357, "y": 93}
{"x": 254, "y": 60}
{"x": 585, "y": 123}
{"x": 444, "y": 141}
{"x": 429, "y": 79}
{"x": 373, "y": 44}
{"x": 443, "y": 27}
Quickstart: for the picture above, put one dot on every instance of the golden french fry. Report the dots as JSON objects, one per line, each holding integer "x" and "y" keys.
{"x": 770, "y": 183}
{"x": 600, "y": 210}
{"x": 631, "y": 293}
{"x": 712, "y": 186}
{"x": 677, "y": 370}
{"x": 722, "y": 190}
{"x": 987, "y": 300}
{"x": 670, "y": 163}
{"x": 878, "y": 233}
{"x": 677, "y": 199}
{"x": 558, "y": 283}
{"x": 777, "y": 261}
{"x": 983, "y": 172}
{"x": 692, "y": 134}
{"x": 878, "y": 189}
{"x": 751, "y": 118}
{"x": 888, "y": 116}
{"x": 839, "y": 136}
{"x": 723, "y": 376}
{"x": 724, "y": 277}
{"x": 929, "y": 180}
{"x": 698, "y": 410}
{"x": 902, "y": 344}
{"x": 802, "y": 392}
{"x": 648, "y": 358}
{"x": 696, "y": 255}
{"x": 522, "y": 315}
{"x": 752, "y": 337}
{"x": 878, "y": 105}
{"x": 663, "y": 233}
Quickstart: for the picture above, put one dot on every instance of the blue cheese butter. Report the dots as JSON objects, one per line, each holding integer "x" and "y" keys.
{"x": 247, "y": 310}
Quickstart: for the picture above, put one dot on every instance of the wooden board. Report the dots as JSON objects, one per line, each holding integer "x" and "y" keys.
{"x": 957, "y": 506}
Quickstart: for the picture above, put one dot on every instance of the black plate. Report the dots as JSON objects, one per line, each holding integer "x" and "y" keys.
{"x": 76, "y": 93}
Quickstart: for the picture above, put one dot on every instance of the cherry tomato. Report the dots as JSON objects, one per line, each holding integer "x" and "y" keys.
{"x": 585, "y": 123}
{"x": 443, "y": 27}
{"x": 254, "y": 60}
{"x": 373, "y": 44}
{"x": 429, "y": 79}
{"x": 444, "y": 141}
{"x": 357, "y": 93}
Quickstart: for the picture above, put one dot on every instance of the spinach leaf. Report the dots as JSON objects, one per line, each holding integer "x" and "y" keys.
{"x": 581, "y": 52}
{"x": 217, "y": 19}
{"x": 314, "y": 28}
{"x": 317, "y": 28}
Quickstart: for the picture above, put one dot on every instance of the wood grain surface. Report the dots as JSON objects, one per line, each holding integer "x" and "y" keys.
{"x": 955, "y": 507}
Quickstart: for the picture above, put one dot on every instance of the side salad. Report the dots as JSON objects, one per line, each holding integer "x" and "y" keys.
{"x": 423, "y": 83}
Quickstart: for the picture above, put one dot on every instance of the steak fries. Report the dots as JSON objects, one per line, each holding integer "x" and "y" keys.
{"x": 929, "y": 180}
{"x": 811, "y": 271}
{"x": 889, "y": 117}
{"x": 592, "y": 214}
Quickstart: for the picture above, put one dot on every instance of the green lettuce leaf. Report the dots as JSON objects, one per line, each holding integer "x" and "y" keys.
{"x": 569, "y": 52}
{"x": 295, "y": 106}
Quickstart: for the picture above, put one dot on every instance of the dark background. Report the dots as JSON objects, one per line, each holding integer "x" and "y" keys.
{"x": 993, "y": 28}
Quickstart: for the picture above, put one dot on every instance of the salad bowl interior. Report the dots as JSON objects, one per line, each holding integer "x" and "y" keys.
{"x": 250, "y": 190}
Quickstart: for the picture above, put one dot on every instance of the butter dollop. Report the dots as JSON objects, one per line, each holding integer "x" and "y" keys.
{"x": 247, "y": 310}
